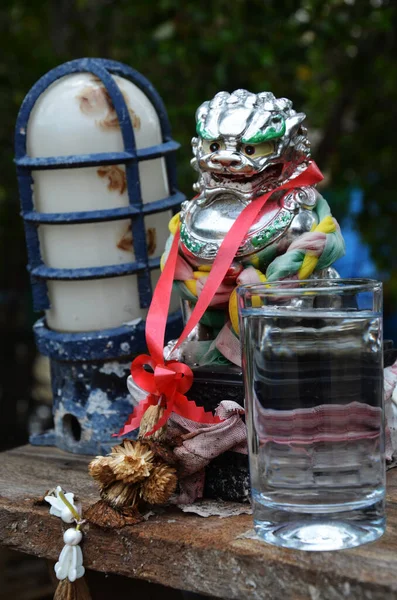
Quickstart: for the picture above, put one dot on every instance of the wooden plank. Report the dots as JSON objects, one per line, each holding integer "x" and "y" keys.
{"x": 206, "y": 555}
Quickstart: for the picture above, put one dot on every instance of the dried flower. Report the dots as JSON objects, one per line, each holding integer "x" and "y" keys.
{"x": 119, "y": 494}
{"x": 150, "y": 417}
{"x": 101, "y": 471}
{"x": 134, "y": 471}
{"x": 158, "y": 488}
{"x": 131, "y": 461}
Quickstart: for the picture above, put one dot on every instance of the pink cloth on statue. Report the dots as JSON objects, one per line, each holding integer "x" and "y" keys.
{"x": 202, "y": 443}
{"x": 222, "y": 295}
{"x": 183, "y": 270}
{"x": 312, "y": 242}
{"x": 226, "y": 342}
{"x": 248, "y": 275}
{"x": 229, "y": 345}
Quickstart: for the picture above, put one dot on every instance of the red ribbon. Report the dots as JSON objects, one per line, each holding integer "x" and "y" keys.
{"x": 167, "y": 385}
{"x": 170, "y": 380}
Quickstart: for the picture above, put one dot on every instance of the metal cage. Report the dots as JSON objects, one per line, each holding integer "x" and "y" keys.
{"x": 128, "y": 339}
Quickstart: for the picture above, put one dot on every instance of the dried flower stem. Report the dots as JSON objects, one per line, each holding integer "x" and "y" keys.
{"x": 149, "y": 420}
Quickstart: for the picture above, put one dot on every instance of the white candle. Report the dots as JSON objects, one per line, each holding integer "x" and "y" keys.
{"x": 74, "y": 116}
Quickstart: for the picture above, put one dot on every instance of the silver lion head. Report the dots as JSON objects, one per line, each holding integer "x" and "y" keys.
{"x": 248, "y": 142}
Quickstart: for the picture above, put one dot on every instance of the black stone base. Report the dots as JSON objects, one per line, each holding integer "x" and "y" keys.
{"x": 211, "y": 385}
{"x": 227, "y": 478}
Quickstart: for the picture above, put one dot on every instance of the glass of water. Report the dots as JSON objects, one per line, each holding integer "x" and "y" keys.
{"x": 313, "y": 370}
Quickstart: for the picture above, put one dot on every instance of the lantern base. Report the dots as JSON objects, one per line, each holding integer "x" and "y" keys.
{"x": 49, "y": 438}
{"x": 90, "y": 402}
{"x": 89, "y": 374}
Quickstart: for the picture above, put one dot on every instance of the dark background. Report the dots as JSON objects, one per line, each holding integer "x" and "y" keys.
{"x": 335, "y": 59}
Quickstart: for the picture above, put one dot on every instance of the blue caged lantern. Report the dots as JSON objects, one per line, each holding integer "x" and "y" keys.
{"x": 97, "y": 181}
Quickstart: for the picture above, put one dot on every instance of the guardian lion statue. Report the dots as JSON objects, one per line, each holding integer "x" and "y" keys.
{"x": 248, "y": 145}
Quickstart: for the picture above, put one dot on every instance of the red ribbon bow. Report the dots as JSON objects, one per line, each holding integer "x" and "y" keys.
{"x": 169, "y": 380}
{"x": 167, "y": 384}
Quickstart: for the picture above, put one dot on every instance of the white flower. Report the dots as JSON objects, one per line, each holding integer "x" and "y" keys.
{"x": 70, "y": 563}
{"x": 59, "y": 508}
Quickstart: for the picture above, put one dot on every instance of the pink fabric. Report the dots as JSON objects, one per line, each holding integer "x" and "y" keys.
{"x": 229, "y": 345}
{"x": 183, "y": 270}
{"x": 191, "y": 488}
{"x": 390, "y": 385}
{"x": 222, "y": 295}
{"x": 226, "y": 342}
{"x": 390, "y": 382}
{"x": 313, "y": 242}
{"x": 248, "y": 275}
{"x": 200, "y": 443}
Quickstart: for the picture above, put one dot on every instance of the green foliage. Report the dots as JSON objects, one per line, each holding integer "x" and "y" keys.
{"x": 335, "y": 59}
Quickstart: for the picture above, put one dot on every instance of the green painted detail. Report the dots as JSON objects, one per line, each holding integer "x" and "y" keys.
{"x": 279, "y": 223}
{"x": 194, "y": 247}
{"x": 214, "y": 318}
{"x": 202, "y": 132}
{"x": 270, "y": 133}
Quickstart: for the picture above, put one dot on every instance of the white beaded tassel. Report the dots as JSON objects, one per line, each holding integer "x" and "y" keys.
{"x": 70, "y": 562}
{"x": 69, "y": 568}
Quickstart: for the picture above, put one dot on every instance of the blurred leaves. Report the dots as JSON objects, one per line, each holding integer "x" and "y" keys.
{"x": 336, "y": 59}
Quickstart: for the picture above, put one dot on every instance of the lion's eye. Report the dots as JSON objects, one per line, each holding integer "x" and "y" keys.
{"x": 208, "y": 146}
{"x": 250, "y": 150}
{"x": 263, "y": 149}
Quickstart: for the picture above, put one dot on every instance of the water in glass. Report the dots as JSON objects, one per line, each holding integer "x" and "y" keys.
{"x": 315, "y": 425}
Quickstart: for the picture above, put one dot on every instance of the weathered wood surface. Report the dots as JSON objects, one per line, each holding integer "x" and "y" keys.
{"x": 204, "y": 555}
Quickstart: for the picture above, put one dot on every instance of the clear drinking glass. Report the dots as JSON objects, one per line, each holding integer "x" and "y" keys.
{"x": 313, "y": 370}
